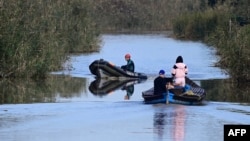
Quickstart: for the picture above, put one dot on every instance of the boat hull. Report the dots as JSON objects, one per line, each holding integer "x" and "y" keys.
{"x": 176, "y": 96}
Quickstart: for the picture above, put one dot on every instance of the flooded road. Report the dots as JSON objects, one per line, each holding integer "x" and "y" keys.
{"x": 121, "y": 120}
{"x": 67, "y": 108}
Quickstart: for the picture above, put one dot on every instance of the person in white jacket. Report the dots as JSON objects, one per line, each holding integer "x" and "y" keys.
{"x": 179, "y": 72}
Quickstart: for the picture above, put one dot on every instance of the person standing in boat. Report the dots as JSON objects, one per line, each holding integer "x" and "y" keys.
{"x": 179, "y": 72}
{"x": 161, "y": 83}
{"x": 130, "y": 64}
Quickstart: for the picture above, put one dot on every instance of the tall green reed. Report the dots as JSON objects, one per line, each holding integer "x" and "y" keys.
{"x": 37, "y": 36}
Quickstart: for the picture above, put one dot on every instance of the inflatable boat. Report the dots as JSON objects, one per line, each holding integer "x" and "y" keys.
{"x": 105, "y": 69}
{"x": 192, "y": 94}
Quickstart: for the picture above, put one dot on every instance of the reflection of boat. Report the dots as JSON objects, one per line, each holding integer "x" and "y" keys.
{"x": 105, "y": 86}
{"x": 102, "y": 68}
{"x": 193, "y": 95}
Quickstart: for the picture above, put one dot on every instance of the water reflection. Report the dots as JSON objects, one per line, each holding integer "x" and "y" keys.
{"x": 57, "y": 87}
{"x": 102, "y": 87}
{"x": 224, "y": 90}
{"x": 38, "y": 91}
{"x": 179, "y": 123}
{"x": 159, "y": 123}
{"x": 170, "y": 121}
{"x": 129, "y": 91}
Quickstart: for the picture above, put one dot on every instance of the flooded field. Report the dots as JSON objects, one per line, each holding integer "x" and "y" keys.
{"x": 68, "y": 107}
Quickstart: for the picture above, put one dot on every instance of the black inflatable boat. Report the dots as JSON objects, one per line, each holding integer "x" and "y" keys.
{"x": 104, "y": 69}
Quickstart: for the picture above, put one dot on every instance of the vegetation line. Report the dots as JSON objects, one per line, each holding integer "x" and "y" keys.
{"x": 36, "y": 37}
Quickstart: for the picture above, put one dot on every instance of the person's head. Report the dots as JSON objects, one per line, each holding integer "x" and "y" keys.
{"x": 127, "y": 56}
{"x": 161, "y": 72}
{"x": 179, "y": 59}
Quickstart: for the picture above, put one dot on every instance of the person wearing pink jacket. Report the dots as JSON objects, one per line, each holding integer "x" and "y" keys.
{"x": 179, "y": 72}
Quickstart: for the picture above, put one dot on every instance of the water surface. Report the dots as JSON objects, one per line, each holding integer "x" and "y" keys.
{"x": 150, "y": 54}
{"x": 66, "y": 108}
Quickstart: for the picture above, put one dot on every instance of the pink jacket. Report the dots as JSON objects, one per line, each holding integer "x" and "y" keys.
{"x": 179, "y": 70}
